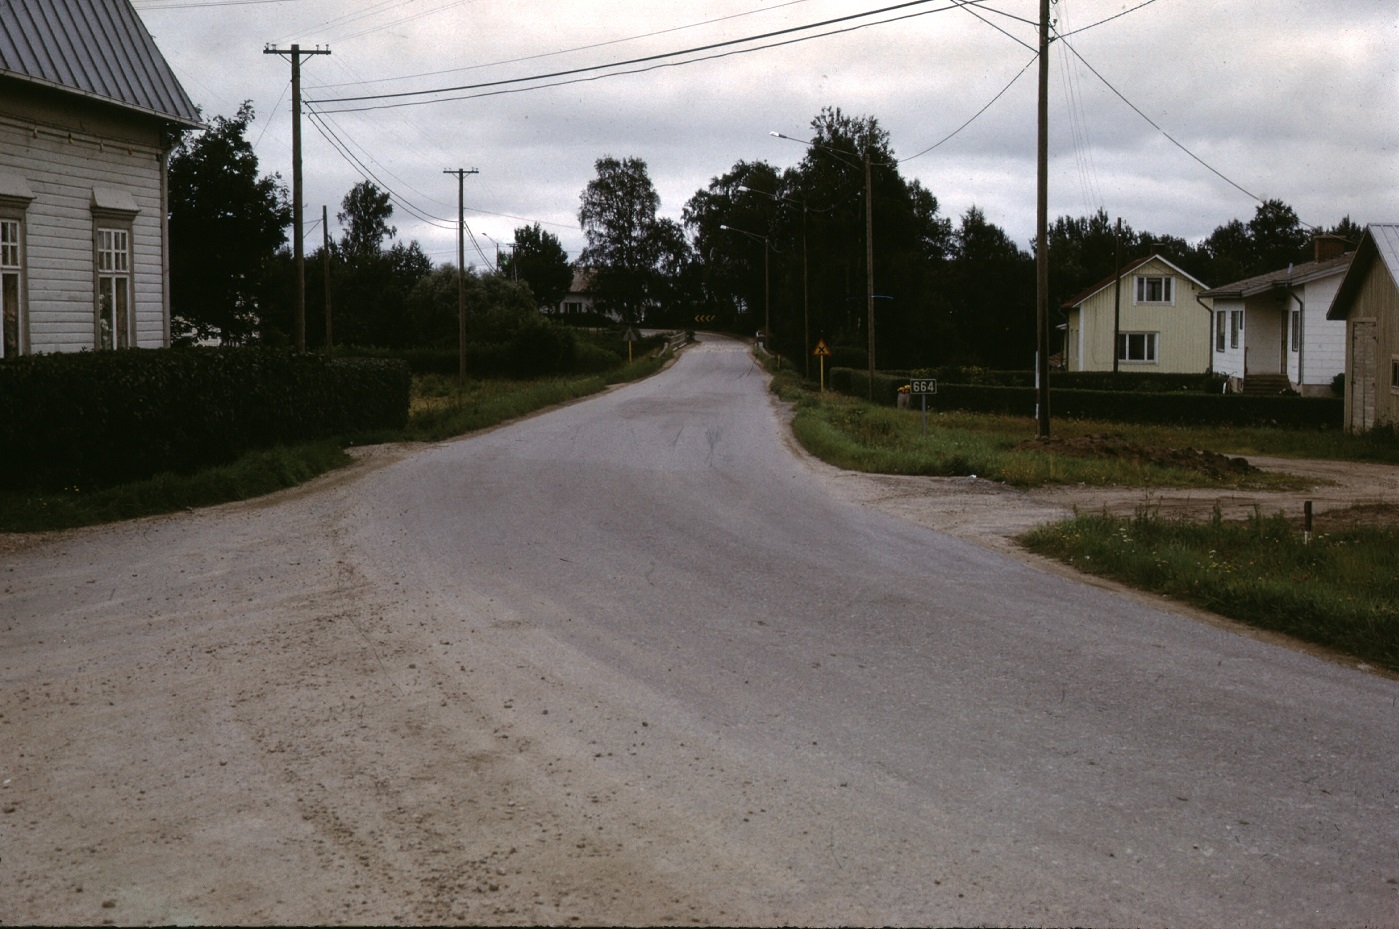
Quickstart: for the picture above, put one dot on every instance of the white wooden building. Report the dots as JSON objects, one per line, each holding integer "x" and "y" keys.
{"x": 89, "y": 112}
{"x": 1272, "y": 329}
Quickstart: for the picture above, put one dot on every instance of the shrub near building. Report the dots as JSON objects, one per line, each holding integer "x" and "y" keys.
{"x": 98, "y": 419}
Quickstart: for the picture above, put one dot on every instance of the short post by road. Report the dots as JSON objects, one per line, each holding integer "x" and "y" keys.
{"x": 631, "y": 337}
{"x": 822, "y": 351}
{"x": 924, "y": 387}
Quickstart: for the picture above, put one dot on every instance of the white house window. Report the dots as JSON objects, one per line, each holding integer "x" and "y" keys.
{"x": 1236, "y": 326}
{"x": 11, "y": 272}
{"x": 1158, "y": 289}
{"x": 1137, "y": 347}
{"x": 1296, "y": 330}
{"x": 113, "y": 288}
{"x": 1221, "y": 325}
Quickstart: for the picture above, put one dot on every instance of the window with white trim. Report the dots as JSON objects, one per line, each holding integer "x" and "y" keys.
{"x": 11, "y": 281}
{"x": 1155, "y": 289}
{"x": 1236, "y": 326}
{"x": 1137, "y": 347}
{"x": 1296, "y": 330}
{"x": 1221, "y": 325}
{"x": 114, "y": 322}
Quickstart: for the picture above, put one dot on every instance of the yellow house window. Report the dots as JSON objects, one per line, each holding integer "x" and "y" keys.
{"x": 1157, "y": 289}
{"x": 1137, "y": 347}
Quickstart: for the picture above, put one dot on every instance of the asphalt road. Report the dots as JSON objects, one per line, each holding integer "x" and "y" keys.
{"x": 633, "y": 661}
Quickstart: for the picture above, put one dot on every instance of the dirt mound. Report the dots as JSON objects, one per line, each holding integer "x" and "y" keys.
{"x": 1117, "y": 447}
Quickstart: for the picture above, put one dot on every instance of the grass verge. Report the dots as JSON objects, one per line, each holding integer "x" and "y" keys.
{"x": 252, "y": 475}
{"x": 1341, "y": 590}
{"x": 440, "y": 409}
{"x": 859, "y": 436}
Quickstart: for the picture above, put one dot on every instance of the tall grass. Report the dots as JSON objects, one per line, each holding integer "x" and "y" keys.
{"x": 1341, "y": 590}
{"x": 856, "y": 435}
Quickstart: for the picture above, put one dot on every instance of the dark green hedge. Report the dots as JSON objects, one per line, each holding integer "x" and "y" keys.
{"x": 1130, "y": 406}
{"x": 91, "y": 419}
{"x": 533, "y": 351}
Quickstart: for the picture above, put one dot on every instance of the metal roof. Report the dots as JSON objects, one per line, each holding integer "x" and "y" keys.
{"x": 96, "y": 48}
{"x": 1290, "y": 276}
{"x": 1379, "y": 243}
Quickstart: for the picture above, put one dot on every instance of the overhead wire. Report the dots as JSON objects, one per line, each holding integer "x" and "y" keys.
{"x": 1170, "y": 138}
{"x": 652, "y": 60}
{"x": 582, "y": 48}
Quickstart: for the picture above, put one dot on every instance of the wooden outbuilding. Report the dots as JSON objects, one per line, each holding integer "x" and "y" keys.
{"x": 1368, "y": 303}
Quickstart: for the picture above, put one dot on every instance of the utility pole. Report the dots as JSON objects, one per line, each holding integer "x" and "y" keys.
{"x": 869, "y": 261}
{"x": 1042, "y": 234}
{"x": 325, "y": 269}
{"x": 1116, "y": 294}
{"x": 298, "y": 249}
{"x": 461, "y": 174}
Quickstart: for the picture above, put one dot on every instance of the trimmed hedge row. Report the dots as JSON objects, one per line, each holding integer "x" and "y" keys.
{"x": 90, "y": 419}
{"x": 1177, "y": 408}
{"x": 534, "y": 352}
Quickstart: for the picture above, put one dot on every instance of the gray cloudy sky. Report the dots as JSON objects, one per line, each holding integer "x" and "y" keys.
{"x": 1287, "y": 99}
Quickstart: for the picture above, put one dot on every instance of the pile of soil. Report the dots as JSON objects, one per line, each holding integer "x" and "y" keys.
{"x": 1103, "y": 445}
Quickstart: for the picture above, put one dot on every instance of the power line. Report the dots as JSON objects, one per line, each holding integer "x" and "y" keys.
{"x": 1209, "y": 167}
{"x": 577, "y": 48}
{"x": 645, "y": 59}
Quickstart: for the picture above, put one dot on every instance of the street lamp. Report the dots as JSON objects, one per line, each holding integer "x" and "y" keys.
{"x": 806, "y": 299}
{"x": 767, "y": 304}
{"x": 514, "y": 271}
{"x": 869, "y": 241}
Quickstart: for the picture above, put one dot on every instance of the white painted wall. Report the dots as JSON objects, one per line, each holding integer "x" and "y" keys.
{"x": 59, "y": 258}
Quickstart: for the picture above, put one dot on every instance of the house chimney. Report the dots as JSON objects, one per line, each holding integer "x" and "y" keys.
{"x": 1326, "y": 247}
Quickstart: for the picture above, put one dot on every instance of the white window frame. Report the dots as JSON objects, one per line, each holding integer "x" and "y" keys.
{"x": 1296, "y": 335}
{"x": 12, "y": 315}
{"x": 1165, "y": 284}
{"x": 1236, "y": 327}
{"x": 1148, "y": 344}
{"x": 116, "y": 316}
{"x": 1221, "y": 327}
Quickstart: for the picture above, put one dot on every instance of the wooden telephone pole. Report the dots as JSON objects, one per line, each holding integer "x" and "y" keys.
{"x": 298, "y": 250}
{"x": 461, "y": 174}
{"x": 1042, "y": 234}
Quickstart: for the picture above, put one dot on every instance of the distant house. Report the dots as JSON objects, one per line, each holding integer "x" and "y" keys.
{"x": 579, "y": 301}
{"x": 1367, "y": 304}
{"x": 89, "y": 111}
{"x": 1271, "y": 331}
{"x": 1146, "y": 319}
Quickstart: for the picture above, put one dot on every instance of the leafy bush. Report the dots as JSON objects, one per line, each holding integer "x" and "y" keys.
{"x": 92, "y": 419}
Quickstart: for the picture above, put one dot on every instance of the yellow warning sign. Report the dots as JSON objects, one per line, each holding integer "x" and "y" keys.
{"x": 822, "y": 350}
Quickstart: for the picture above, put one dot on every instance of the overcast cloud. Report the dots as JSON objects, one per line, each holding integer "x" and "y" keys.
{"x": 1287, "y": 99}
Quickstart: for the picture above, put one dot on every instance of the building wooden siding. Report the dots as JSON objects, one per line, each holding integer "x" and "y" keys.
{"x": 1371, "y": 398}
{"x": 70, "y": 168}
{"x": 1181, "y": 326}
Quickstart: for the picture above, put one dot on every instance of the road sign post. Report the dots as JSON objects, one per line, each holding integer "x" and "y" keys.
{"x": 923, "y": 386}
{"x": 822, "y": 351}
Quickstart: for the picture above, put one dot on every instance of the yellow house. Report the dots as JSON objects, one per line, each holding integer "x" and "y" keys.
{"x": 1148, "y": 318}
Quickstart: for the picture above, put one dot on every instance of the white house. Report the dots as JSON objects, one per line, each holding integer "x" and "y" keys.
{"x": 579, "y": 300}
{"x": 1367, "y": 304}
{"x": 89, "y": 111}
{"x": 1271, "y": 331}
{"x": 1145, "y": 319}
